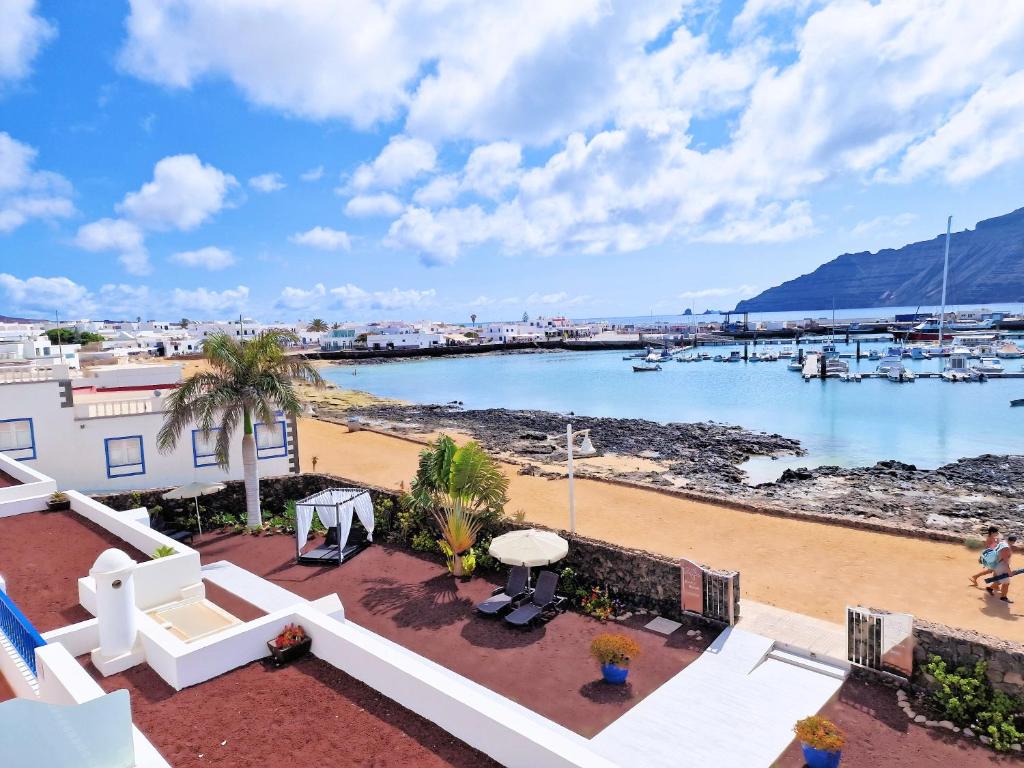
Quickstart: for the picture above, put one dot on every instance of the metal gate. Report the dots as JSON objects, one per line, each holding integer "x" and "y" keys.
{"x": 880, "y": 640}
{"x": 711, "y": 594}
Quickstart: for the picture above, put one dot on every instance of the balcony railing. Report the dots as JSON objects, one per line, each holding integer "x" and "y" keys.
{"x": 19, "y": 631}
{"x": 106, "y": 408}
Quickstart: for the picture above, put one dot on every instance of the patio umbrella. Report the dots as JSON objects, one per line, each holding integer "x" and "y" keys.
{"x": 529, "y": 547}
{"x": 194, "y": 490}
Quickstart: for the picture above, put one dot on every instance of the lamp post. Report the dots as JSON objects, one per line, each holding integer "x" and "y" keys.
{"x": 572, "y": 490}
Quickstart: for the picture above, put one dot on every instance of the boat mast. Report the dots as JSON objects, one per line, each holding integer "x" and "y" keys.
{"x": 945, "y": 276}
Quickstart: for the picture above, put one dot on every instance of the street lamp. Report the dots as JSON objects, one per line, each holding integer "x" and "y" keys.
{"x": 586, "y": 449}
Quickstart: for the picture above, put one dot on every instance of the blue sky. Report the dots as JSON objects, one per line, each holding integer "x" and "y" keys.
{"x": 360, "y": 160}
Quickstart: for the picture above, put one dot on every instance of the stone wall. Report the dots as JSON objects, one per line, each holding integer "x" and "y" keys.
{"x": 965, "y": 647}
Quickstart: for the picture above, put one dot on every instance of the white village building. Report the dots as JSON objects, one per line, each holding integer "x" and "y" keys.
{"x": 97, "y": 431}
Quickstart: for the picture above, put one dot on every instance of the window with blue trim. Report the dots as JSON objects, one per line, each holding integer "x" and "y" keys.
{"x": 125, "y": 456}
{"x": 204, "y": 447}
{"x": 18, "y": 437}
{"x": 271, "y": 440}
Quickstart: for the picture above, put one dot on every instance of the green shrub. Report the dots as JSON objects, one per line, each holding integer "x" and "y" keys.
{"x": 163, "y": 551}
{"x": 571, "y": 585}
{"x": 965, "y": 697}
{"x": 424, "y": 541}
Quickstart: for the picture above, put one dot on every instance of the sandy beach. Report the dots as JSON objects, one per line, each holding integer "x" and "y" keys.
{"x": 814, "y": 568}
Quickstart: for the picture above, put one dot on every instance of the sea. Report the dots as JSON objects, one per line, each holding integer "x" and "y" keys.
{"x": 927, "y": 423}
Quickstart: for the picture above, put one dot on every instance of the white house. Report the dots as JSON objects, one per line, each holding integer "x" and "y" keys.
{"x": 98, "y": 431}
{"x": 404, "y": 340}
{"x": 338, "y": 338}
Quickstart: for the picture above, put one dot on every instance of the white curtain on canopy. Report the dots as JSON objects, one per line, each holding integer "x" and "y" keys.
{"x": 334, "y": 506}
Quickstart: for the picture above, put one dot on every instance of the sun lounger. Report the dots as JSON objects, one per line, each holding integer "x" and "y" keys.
{"x": 157, "y": 523}
{"x": 506, "y": 597}
{"x": 543, "y": 602}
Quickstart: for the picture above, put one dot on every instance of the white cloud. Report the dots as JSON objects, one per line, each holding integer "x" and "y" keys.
{"x": 44, "y": 294}
{"x": 27, "y": 193}
{"x": 383, "y": 204}
{"x": 183, "y": 194}
{"x": 324, "y": 238}
{"x": 267, "y": 182}
{"x": 118, "y": 235}
{"x": 492, "y": 168}
{"x": 313, "y": 174}
{"x": 995, "y": 112}
{"x": 210, "y": 257}
{"x": 739, "y": 291}
{"x": 561, "y": 298}
{"x": 299, "y": 298}
{"x": 438, "y": 191}
{"x": 209, "y": 302}
{"x": 22, "y": 34}
{"x": 884, "y": 223}
{"x": 773, "y": 223}
{"x": 354, "y": 298}
{"x": 402, "y": 160}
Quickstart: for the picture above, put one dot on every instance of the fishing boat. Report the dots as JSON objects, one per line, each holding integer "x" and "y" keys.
{"x": 646, "y": 368}
{"x": 786, "y": 352}
{"x": 754, "y": 358}
{"x": 887, "y": 363}
{"x": 989, "y": 365}
{"x": 920, "y": 353}
{"x": 956, "y": 369}
{"x": 874, "y": 354}
{"x": 734, "y": 357}
{"x": 718, "y": 358}
{"x": 829, "y": 350}
{"x": 835, "y": 368}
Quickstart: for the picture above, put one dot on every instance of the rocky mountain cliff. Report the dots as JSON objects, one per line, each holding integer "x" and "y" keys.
{"x": 986, "y": 265}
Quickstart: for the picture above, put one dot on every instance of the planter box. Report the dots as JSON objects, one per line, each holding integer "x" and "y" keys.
{"x": 614, "y": 674}
{"x": 282, "y": 656}
{"x": 58, "y": 506}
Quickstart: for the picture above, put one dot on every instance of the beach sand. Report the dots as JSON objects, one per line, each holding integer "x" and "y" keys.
{"x": 813, "y": 568}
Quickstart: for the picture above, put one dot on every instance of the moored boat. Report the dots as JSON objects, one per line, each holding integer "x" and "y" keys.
{"x": 646, "y": 368}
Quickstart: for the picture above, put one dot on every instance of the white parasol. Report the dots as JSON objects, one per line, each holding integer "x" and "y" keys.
{"x": 194, "y": 490}
{"x": 529, "y": 547}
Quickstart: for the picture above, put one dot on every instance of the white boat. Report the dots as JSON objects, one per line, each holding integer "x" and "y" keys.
{"x": 1009, "y": 351}
{"x": 646, "y": 368}
{"x": 795, "y": 365}
{"x": 874, "y": 354}
{"x": 836, "y": 368}
{"x": 754, "y": 358}
{"x": 829, "y": 351}
{"x": 989, "y": 365}
{"x": 734, "y": 357}
{"x": 888, "y": 362}
{"x": 956, "y": 369}
{"x": 849, "y": 377}
{"x": 786, "y": 352}
{"x": 900, "y": 373}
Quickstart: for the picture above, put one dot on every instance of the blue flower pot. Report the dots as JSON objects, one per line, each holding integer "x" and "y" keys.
{"x": 614, "y": 674}
{"x": 820, "y": 758}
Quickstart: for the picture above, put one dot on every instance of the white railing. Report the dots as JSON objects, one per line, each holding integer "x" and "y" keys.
{"x": 31, "y": 374}
{"x": 107, "y": 408}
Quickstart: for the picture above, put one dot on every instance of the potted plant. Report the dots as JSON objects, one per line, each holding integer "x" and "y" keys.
{"x": 292, "y": 643}
{"x": 58, "y": 501}
{"x": 614, "y": 653}
{"x": 821, "y": 741}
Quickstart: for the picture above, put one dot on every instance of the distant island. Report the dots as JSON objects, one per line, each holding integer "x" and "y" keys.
{"x": 986, "y": 265}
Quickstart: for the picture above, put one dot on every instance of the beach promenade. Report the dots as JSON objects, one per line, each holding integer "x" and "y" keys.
{"x": 811, "y": 568}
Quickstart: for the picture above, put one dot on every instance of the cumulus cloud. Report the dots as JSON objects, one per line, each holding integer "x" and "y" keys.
{"x": 324, "y": 238}
{"x": 402, "y": 160}
{"x": 300, "y": 298}
{"x": 22, "y": 34}
{"x": 354, "y": 298}
{"x": 210, "y": 257}
{"x": 561, "y": 298}
{"x": 440, "y": 190}
{"x": 267, "y": 182}
{"x": 313, "y": 174}
{"x": 383, "y": 204}
{"x": 183, "y": 194}
{"x": 27, "y": 193}
{"x": 209, "y": 302}
{"x": 118, "y": 235}
{"x": 43, "y": 294}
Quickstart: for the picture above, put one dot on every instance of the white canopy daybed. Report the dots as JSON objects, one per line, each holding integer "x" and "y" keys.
{"x": 335, "y": 508}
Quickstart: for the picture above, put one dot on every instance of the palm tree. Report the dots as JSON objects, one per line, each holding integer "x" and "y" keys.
{"x": 462, "y": 488}
{"x": 317, "y": 325}
{"x": 472, "y": 318}
{"x": 248, "y": 382}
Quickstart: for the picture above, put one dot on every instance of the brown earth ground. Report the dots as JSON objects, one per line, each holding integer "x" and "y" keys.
{"x": 812, "y": 568}
{"x": 415, "y": 602}
{"x": 878, "y": 735}
{"x": 307, "y": 713}
{"x": 42, "y": 557}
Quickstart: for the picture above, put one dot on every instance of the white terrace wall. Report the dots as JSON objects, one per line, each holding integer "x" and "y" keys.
{"x": 33, "y": 484}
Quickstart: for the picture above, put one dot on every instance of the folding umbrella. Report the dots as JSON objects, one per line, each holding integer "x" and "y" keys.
{"x": 529, "y": 547}
{"x": 194, "y": 490}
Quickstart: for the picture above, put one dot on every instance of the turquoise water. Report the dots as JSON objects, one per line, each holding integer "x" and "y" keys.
{"x": 927, "y": 422}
